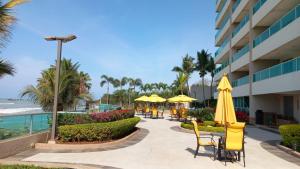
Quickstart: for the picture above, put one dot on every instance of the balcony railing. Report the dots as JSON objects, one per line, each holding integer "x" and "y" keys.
{"x": 223, "y": 65}
{"x": 240, "y": 53}
{"x": 235, "y": 5}
{"x": 258, "y": 5}
{"x": 222, "y": 25}
{"x": 222, "y": 7}
{"x": 225, "y": 42}
{"x": 242, "y": 81}
{"x": 278, "y": 25}
{"x": 278, "y": 70}
{"x": 240, "y": 25}
{"x": 19, "y": 125}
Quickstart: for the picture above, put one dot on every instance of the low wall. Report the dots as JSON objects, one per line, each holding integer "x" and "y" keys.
{"x": 16, "y": 145}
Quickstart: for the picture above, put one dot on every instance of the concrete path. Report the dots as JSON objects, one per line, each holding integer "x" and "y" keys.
{"x": 164, "y": 148}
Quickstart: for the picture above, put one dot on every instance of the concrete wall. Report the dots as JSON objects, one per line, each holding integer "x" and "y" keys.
{"x": 197, "y": 92}
{"x": 267, "y": 103}
{"x": 16, "y": 145}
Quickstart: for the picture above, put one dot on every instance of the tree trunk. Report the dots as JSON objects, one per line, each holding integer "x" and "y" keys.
{"x": 107, "y": 97}
{"x": 203, "y": 90}
{"x": 188, "y": 86}
{"x": 121, "y": 97}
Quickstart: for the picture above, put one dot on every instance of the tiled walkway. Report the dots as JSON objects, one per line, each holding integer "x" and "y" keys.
{"x": 166, "y": 148}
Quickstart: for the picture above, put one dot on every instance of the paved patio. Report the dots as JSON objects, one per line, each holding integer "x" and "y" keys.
{"x": 166, "y": 148}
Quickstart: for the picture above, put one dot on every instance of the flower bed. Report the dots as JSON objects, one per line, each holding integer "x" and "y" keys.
{"x": 290, "y": 134}
{"x": 72, "y": 118}
{"x": 97, "y": 132}
{"x": 206, "y": 126}
{"x": 242, "y": 116}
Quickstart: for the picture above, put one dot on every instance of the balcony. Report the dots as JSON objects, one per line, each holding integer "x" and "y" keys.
{"x": 221, "y": 15}
{"x": 219, "y": 4}
{"x": 240, "y": 58}
{"x": 239, "y": 9}
{"x": 258, "y": 5}
{"x": 223, "y": 49}
{"x": 240, "y": 31}
{"x": 278, "y": 78}
{"x": 278, "y": 70}
{"x": 225, "y": 25}
{"x": 242, "y": 81}
{"x": 241, "y": 87}
{"x": 285, "y": 30}
{"x": 272, "y": 10}
{"x": 224, "y": 68}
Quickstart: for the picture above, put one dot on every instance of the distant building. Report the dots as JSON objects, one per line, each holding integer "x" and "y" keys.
{"x": 259, "y": 49}
{"x": 197, "y": 92}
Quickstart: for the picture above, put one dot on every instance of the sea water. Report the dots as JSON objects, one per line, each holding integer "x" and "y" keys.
{"x": 21, "y": 117}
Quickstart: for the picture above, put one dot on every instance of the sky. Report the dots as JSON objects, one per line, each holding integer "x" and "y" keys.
{"x": 134, "y": 38}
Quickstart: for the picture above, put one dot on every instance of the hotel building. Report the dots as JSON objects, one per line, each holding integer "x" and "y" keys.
{"x": 259, "y": 48}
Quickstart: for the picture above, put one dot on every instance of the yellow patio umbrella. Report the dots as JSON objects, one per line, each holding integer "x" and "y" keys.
{"x": 225, "y": 110}
{"x": 142, "y": 99}
{"x": 156, "y": 99}
{"x": 181, "y": 99}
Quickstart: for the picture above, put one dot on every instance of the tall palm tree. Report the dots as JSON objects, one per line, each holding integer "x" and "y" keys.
{"x": 6, "y": 68}
{"x": 135, "y": 83}
{"x": 6, "y": 21}
{"x": 85, "y": 84}
{"x": 211, "y": 66}
{"x": 69, "y": 87}
{"x": 106, "y": 80}
{"x": 201, "y": 66}
{"x": 187, "y": 67}
{"x": 181, "y": 81}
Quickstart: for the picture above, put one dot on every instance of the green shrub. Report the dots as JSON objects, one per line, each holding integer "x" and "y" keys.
{"x": 203, "y": 128}
{"x": 204, "y": 114}
{"x": 209, "y": 123}
{"x": 97, "y": 131}
{"x": 290, "y": 134}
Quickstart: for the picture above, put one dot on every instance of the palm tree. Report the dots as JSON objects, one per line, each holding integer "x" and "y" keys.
{"x": 135, "y": 83}
{"x": 69, "y": 87}
{"x": 106, "y": 81}
{"x": 211, "y": 66}
{"x": 6, "y": 21}
{"x": 187, "y": 67}
{"x": 6, "y": 68}
{"x": 181, "y": 81}
{"x": 85, "y": 84}
{"x": 201, "y": 67}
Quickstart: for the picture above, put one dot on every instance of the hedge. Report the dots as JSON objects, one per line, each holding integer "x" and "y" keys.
{"x": 203, "y": 128}
{"x": 290, "y": 134}
{"x": 97, "y": 131}
{"x": 75, "y": 118}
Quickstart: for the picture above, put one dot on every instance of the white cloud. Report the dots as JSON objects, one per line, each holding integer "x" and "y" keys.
{"x": 28, "y": 70}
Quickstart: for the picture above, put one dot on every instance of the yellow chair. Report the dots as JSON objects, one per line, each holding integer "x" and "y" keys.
{"x": 154, "y": 112}
{"x": 146, "y": 111}
{"x": 234, "y": 140}
{"x": 173, "y": 112}
{"x": 201, "y": 143}
{"x": 183, "y": 113}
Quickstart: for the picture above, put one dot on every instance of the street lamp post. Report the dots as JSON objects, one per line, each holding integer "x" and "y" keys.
{"x": 59, "y": 40}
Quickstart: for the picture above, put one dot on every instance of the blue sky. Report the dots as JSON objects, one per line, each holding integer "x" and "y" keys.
{"x": 134, "y": 38}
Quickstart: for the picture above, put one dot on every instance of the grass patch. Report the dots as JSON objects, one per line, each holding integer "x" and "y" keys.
{"x": 203, "y": 128}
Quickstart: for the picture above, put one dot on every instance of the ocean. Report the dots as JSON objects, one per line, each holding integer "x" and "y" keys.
{"x": 18, "y": 106}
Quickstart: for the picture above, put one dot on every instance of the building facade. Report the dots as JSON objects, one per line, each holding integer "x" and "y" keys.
{"x": 196, "y": 91}
{"x": 259, "y": 48}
